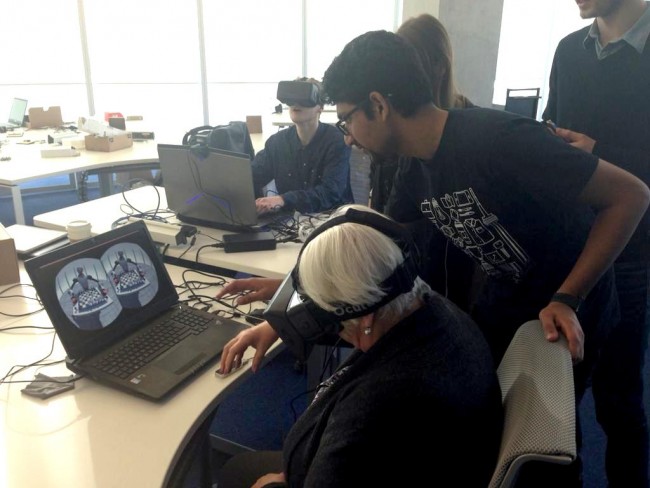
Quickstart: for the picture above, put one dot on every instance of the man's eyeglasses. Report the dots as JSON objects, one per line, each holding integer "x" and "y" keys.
{"x": 343, "y": 121}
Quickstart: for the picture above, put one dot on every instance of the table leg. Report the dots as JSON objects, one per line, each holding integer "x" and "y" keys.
{"x": 17, "y": 199}
{"x": 105, "y": 183}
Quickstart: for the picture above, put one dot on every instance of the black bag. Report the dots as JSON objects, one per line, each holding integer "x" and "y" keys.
{"x": 230, "y": 137}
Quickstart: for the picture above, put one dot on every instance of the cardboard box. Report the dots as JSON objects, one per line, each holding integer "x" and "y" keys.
{"x": 254, "y": 124}
{"x": 108, "y": 143}
{"x": 40, "y": 117}
{"x": 9, "y": 273}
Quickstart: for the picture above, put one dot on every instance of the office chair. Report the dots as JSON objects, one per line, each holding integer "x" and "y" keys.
{"x": 536, "y": 378}
{"x": 525, "y": 103}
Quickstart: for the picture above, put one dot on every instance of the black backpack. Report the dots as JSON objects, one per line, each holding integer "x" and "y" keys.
{"x": 230, "y": 137}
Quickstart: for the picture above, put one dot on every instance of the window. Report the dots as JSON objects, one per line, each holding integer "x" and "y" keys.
{"x": 144, "y": 60}
{"x": 42, "y": 58}
{"x": 329, "y": 31}
{"x": 530, "y": 32}
{"x": 178, "y": 64}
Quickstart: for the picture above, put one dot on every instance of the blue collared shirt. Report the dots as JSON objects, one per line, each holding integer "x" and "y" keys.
{"x": 635, "y": 37}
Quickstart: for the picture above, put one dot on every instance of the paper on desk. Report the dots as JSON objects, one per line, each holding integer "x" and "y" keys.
{"x": 97, "y": 127}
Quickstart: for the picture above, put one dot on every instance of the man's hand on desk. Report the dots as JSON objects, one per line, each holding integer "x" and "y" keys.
{"x": 252, "y": 289}
{"x": 261, "y": 338}
{"x": 269, "y": 204}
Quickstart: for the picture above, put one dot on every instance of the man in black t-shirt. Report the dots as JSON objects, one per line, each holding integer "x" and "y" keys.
{"x": 543, "y": 220}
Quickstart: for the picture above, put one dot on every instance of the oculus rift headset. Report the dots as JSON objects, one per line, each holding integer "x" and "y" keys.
{"x": 303, "y": 93}
{"x": 301, "y": 323}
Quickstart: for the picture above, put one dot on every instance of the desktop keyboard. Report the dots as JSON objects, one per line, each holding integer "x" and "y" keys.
{"x": 161, "y": 337}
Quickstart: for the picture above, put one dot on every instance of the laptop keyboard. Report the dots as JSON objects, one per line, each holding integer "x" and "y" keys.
{"x": 144, "y": 348}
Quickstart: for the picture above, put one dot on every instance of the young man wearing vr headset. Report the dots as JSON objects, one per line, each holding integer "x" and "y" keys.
{"x": 309, "y": 161}
{"x": 420, "y": 372}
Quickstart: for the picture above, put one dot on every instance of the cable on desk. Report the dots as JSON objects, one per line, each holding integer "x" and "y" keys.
{"x": 192, "y": 242}
{"x": 25, "y": 297}
{"x": 147, "y": 183}
{"x": 22, "y": 367}
{"x": 191, "y": 286}
{"x": 18, "y": 327}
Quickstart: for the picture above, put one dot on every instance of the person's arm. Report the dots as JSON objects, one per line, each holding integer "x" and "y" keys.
{"x": 271, "y": 203}
{"x": 334, "y": 180}
{"x": 271, "y": 480}
{"x": 619, "y": 199}
{"x": 254, "y": 289}
{"x": 262, "y": 166}
{"x": 261, "y": 337}
{"x": 630, "y": 158}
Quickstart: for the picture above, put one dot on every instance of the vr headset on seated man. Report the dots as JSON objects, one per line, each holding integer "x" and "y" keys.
{"x": 303, "y": 93}
{"x": 301, "y": 323}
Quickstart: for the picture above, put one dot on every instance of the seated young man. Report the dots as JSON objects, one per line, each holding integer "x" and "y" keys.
{"x": 420, "y": 372}
{"x": 309, "y": 162}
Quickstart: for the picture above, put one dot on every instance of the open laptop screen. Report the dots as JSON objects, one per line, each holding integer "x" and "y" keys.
{"x": 17, "y": 112}
{"x": 209, "y": 187}
{"x": 101, "y": 289}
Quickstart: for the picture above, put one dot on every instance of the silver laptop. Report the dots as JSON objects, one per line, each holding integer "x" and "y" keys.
{"x": 29, "y": 240}
{"x": 16, "y": 114}
{"x": 118, "y": 315}
{"x": 209, "y": 187}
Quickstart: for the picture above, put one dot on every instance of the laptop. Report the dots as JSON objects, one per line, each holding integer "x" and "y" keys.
{"x": 118, "y": 316}
{"x": 31, "y": 240}
{"x": 211, "y": 187}
{"x": 16, "y": 114}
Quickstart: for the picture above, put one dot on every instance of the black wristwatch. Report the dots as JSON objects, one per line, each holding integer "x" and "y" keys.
{"x": 571, "y": 301}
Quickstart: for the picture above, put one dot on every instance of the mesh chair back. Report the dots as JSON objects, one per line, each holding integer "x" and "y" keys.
{"x": 536, "y": 378}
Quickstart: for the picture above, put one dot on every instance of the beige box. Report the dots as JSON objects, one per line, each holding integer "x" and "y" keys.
{"x": 254, "y": 124}
{"x": 108, "y": 143}
{"x": 40, "y": 117}
{"x": 9, "y": 270}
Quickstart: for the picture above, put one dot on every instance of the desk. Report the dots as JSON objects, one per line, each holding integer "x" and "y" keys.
{"x": 26, "y": 163}
{"x": 94, "y": 436}
{"x": 102, "y": 212}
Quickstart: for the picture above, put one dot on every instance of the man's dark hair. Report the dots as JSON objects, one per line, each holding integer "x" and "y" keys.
{"x": 378, "y": 61}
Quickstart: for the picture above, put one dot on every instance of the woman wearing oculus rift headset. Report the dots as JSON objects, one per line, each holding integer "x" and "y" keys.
{"x": 309, "y": 161}
{"x": 420, "y": 371}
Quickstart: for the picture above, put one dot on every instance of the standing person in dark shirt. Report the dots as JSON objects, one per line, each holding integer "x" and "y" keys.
{"x": 309, "y": 162}
{"x": 600, "y": 100}
{"x": 544, "y": 221}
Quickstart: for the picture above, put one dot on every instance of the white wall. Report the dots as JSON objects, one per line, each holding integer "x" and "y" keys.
{"x": 412, "y": 8}
{"x": 474, "y": 28}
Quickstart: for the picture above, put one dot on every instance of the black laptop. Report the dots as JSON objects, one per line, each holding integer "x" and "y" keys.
{"x": 212, "y": 187}
{"x": 118, "y": 315}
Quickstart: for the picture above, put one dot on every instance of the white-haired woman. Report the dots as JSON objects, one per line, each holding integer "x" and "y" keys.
{"x": 421, "y": 374}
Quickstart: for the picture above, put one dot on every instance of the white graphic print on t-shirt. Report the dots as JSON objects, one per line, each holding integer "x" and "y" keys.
{"x": 470, "y": 227}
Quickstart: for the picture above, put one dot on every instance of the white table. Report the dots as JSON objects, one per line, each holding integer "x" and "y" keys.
{"x": 93, "y": 436}
{"x": 103, "y": 212}
{"x": 26, "y": 163}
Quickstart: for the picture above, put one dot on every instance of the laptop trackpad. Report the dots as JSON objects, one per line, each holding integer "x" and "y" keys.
{"x": 180, "y": 361}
